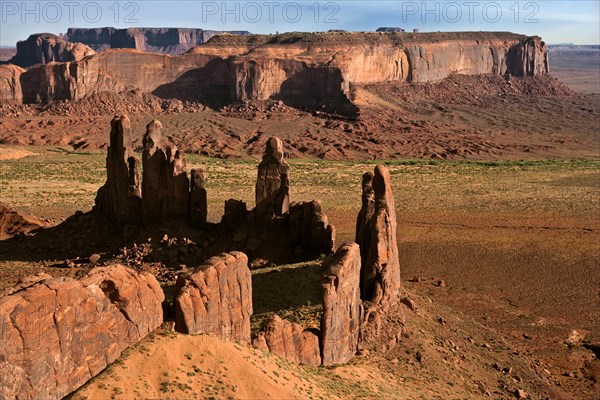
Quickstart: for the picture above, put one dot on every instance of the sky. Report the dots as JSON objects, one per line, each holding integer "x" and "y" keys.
{"x": 575, "y": 21}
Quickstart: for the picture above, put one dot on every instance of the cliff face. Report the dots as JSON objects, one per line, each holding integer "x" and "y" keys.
{"x": 10, "y": 84}
{"x": 528, "y": 58}
{"x": 161, "y": 40}
{"x": 45, "y": 47}
{"x": 301, "y": 73}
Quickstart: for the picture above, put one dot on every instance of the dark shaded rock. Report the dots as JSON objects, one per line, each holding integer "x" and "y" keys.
{"x": 342, "y": 307}
{"x": 198, "y": 199}
{"x": 165, "y": 185}
{"x": 310, "y": 228}
{"x": 365, "y": 215}
{"x": 380, "y": 273}
{"x": 119, "y": 198}
{"x": 163, "y": 40}
{"x": 236, "y": 213}
{"x": 58, "y": 333}
{"x": 272, "y": 184}
{"x": 528, "y": 58}
{"x": 43, "y": 48}
{"x": 216, "y": 298}
{"x": 180, "y": 196}
{"x": 290, "y": 341}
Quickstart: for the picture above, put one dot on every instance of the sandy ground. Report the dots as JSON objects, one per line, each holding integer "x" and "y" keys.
{"x": 515, "y": 242}
{"x": 12, "y": 153}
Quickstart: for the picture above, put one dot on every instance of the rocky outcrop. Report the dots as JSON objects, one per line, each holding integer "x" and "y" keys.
{"x": 376, "y": 235}
{"x": 120, "y": 197}
{"x": 290, "y": 341}
{"x": 165, "y": 184}
{"x": 216, "y": 298}
{"x": 365, "y": 215}
{"x": 10, "y": 84}
{"x": 13, "y": 222}
{"x": 342, "y": 308}
{"x": 43, "y": 48}
{"x": 235, "y": 213}
{"x": 59, "y": 332}
{"x": 273, "y": 183}
{"x": 302, "y": 70}
{"x": 310, "y": 230}
{"x": 198, "y": 198}
{"x": 160, "y": 40}
{"x": 528, "y": 58}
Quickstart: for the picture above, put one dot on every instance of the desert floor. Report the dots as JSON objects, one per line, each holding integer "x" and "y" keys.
{"x": 516, "y": 243}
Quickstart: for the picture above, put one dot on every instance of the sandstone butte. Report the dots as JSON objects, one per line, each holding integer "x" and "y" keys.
{"x": 44, "y": 48}
{"x": 162, "y": 40}
{"x": 301, "y": 69}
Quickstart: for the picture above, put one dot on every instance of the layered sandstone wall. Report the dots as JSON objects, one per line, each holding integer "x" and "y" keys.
{"x": 57, "y": 333}
{"x": 301, "y": 73}
{"x": 10, "y": 84}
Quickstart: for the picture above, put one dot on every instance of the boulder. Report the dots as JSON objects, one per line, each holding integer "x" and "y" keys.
{"x": 198, "y": 198}
{"x": 120, "y": 197}
{"x": 272, "y": 184}
{"x": 216, "y": 298}
{"x": 13, "y": 222}
{"x": 290, "y": 341}
{"x": 58, "y": 333}
{"x": 342, "y": 308}
{"x": 310, "y": 228}
{"x": 376, "y": 236}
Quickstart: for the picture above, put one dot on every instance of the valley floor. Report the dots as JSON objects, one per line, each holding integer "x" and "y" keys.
{"x": 515, "y": 242}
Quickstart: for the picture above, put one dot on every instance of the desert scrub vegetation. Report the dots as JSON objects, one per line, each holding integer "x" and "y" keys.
{"x": 55, "y": 184}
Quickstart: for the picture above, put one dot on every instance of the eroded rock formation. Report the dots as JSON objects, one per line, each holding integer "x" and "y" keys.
{"x": 235, "y": 213}
{"x": 165, "y": 184}
{"x": 273, "y": 183}
{"x": 43, "y": 48}
{"x": 310, "y": 229}
{"x": 59, "y": 332}
{"x": 120, "y": 197}
{"x": 10, "y": 84}
{"x": 290, "y": 341}
{"x": 13, "y": 222}
{"x": 303, "y": 70}
{"x": 342, "y": 307}
{"x": 198, "y": 198}
{"x": 376, "y": 235}
{"x": 216, "y": 298}
{"x": 161, "y": 40}
{"x": 365, "y": 215}
{"x": 528, "y": 58}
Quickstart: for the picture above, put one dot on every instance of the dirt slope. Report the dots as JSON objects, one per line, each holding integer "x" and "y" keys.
{"x": 459, "y": 118}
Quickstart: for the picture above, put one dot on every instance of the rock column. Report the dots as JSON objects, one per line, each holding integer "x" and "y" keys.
{"x": 165, "y": 185}
{"x": 272, "y": 184}
{"x": 376, "y": 235}
{"x": 119, "y": 198}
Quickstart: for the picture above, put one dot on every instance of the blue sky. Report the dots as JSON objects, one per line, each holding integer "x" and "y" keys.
{"x": 556, "y": 21}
